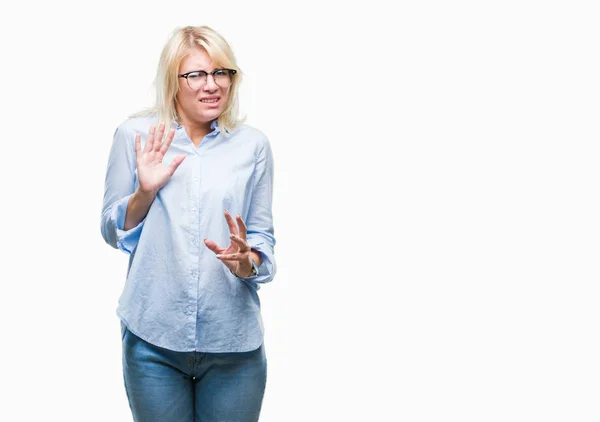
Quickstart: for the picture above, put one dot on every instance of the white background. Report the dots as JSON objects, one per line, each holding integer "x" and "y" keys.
{"x": 436, "y": 204}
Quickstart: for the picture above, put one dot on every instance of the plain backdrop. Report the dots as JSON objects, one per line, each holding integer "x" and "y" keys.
{"x": 435, "y": 207}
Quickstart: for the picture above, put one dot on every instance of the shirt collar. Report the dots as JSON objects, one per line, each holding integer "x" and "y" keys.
{"x": 214, "y": 126}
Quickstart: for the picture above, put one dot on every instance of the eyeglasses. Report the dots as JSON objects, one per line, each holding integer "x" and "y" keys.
{"x": 197, "y": 78}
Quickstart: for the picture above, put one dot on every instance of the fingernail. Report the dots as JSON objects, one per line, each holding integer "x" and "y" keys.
{"x": 232, "y": 235}
{"x": 239, "y": 216}
{"x": 218, "y": 255}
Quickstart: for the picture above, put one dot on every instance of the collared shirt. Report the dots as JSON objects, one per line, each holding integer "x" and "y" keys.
{"x": 177, "y": 294}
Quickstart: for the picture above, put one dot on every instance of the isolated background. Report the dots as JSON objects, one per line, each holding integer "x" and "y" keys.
{"x": 436, "y": 204}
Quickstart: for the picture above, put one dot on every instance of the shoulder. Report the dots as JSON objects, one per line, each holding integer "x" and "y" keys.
{"x": 257, "y": 141}
{"x": 133, "y": 125}
{"x": 250, "y": 134}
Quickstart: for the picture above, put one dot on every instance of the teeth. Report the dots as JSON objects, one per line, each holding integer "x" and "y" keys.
{"x": 210, "y": 101}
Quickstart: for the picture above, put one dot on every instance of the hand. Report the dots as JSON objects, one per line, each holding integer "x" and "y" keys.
{"x": 152, "y": 174}
{"x": 236, "y": 257}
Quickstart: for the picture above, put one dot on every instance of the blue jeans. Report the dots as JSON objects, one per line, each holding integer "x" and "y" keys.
{"x": 168, "y": 386}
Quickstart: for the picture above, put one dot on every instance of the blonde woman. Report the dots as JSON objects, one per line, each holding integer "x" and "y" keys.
{"x": 188, "y": 195}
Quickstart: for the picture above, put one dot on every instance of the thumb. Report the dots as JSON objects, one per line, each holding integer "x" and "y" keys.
{"x": 176, "y": 162}
{"x": 213, "y": 246}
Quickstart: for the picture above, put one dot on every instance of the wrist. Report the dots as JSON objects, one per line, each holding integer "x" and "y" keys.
{"x": 244, "y": 269}
{"x": 256, "y": 256}
{"x": 247, "y": 269}
{"x": 144, "y": 195}
{"x": 137, "y": 208}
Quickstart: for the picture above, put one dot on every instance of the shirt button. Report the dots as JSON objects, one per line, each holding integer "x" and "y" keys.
{"x": 190, "y": 310}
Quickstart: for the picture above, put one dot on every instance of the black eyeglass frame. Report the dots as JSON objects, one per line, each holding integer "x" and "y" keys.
{"x": 185, "y": 75}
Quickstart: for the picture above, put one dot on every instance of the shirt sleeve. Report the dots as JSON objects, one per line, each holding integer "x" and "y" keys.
{"x": 259, "y": 222}
{"x": 119, "y": 186}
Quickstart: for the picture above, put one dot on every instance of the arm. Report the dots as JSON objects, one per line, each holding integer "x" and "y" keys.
{"x": 138, "y": 207}
{"x": 123, "y": 211}
{"x": 259, "y": 222}
{"x": 125, "y": 207}
{"x": 254, "y": 237}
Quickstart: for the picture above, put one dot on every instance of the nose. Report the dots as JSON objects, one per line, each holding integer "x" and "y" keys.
{"x": 210, "y": 85}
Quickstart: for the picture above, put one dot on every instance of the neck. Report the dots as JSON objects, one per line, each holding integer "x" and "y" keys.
{"x": 195, "y": 130}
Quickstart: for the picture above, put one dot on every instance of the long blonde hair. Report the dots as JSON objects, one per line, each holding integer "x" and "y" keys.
{"x": 166, "y": 82}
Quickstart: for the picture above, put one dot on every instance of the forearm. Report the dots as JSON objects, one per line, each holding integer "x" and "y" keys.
{"x": 137, "y": 208}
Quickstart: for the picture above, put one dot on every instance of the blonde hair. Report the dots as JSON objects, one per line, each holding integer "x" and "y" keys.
{"x": 166, "y": 83}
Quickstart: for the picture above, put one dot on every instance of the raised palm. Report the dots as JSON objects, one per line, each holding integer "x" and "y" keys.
{"x": 152, "y": 173}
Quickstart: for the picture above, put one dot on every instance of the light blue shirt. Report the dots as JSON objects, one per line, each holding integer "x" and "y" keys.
{"x": 177, "y": 294}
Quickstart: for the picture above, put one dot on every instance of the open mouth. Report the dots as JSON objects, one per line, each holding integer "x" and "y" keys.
{"x": 210, "y": 100}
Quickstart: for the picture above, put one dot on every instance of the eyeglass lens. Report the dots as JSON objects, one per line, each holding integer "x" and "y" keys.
{"x": 222, "y": 77}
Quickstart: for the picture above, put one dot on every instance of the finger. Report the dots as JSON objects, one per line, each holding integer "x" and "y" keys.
{"x": 159, "y": 137}
{"x": 242, "y": 244}
{"x": 232, "y": 257}
{"x": 213, "y": 246}
{"x": 138, "y": 147}
{"x": 165, "y": 145}
{"x": 175, "y": 163}
{"x": 232, "y": 226}
{"x": 150, "y": 140}
{"x": 242, "y": 227}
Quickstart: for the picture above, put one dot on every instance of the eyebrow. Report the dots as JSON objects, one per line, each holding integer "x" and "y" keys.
{"x": 202, "y": 70}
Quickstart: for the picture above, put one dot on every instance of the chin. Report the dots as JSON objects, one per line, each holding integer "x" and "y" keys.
{"x": 210, "y": 112}
{"x": 209, "y": 117}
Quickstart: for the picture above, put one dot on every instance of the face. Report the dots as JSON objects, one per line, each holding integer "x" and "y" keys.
{"x": 199, "y": 106}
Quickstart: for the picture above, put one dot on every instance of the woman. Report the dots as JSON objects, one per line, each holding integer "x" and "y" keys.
{"x": 188, "y": 196}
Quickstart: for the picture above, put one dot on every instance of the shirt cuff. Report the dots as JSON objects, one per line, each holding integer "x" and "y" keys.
{"x": 127, "y": 240}
{"x": 266, "y": 271}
